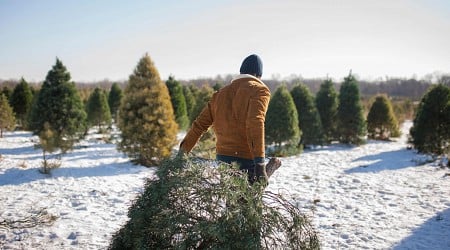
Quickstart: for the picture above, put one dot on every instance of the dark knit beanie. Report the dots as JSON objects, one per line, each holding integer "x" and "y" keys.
{"x": 252, "y": 65}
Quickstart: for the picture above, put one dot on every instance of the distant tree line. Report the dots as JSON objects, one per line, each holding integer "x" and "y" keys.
{"x": 411, "y": 88}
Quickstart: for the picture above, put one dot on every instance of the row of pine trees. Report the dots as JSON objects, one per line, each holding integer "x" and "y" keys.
{"x": 295, "y": 118}
{"x": 150, "y": 113}
{"x": 328, "y": 117}
{"x": 101, "y": 107}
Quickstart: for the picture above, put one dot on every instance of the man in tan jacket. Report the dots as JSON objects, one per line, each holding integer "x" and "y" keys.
{"x": 237, "y": 113}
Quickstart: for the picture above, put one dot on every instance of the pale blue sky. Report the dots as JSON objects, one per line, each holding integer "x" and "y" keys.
{"x": 189, "y": 39}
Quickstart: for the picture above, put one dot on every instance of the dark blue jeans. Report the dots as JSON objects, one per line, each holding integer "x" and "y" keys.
{"x": 244, "y": 164}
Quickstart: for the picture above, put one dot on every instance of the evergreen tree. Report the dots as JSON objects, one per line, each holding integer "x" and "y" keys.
{"x": 308, "y": 116}
{"x": 206, "y": 146}
{"x": 199, "y": 205}
{"x": 431, "y": 127}
{"x": 217, "y": 86}
{"x": 381, "y": 120}
{"x": 178, "y": 102}
{"x": 7, "y": 120}
{"x": 58, "y": 104}
{"x": 49, "y": 143}
{"x": 146, "y": 116}
{"x": 281, "y": 123}
{"x": 447, "y": 131}
{"x": 114, "y": 98}
{"x": 202, "y": 98}
{"x": 98, "y": 111}
{"x": 327, "y": 105}
{"x": 189, "y": 99}
{"x": 351, "y": 124}
{"x": 21, "y": 100}
{"x": 194, "y": 90}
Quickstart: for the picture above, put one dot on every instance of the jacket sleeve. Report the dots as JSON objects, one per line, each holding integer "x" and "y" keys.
{"x": 198, "y": 128}
{"x": 256, "y": 115}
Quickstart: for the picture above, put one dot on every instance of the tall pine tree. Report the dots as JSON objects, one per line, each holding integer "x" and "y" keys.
{"x": 59, "y": 104}
{"x": 7, "y": 120}
{"x": 281, "y": 125}
{"x": 98, "y": 112}
{"x": 114, "y": 98}
{"x": 327, "y": 105}
{"x": 146, "y": 116}
{"x": 178, "y": 102}
{"x": 308, "y": 116}
{"x": 21, "y": 100}
{"x": 381, "y": 120}
{"x": 431, "y": 128}
{"x": 351, "y": 124}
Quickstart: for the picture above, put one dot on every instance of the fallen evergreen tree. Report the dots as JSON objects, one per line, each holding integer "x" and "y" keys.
{"x": 198, "y": 204}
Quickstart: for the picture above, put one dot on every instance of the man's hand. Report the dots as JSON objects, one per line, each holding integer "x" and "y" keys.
{"x": 260, "y": 171}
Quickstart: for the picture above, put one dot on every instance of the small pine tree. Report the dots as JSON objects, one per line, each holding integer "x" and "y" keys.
{"x": 281, "y": 123}
{"x": 178, "y": 102}
{"x": 21, "y": 100}
{"x": 195, "y": 91}
{"x": 381, "y": 120}
{"x": 7, "y": 120}
{"x": 59, "y": 104}
{"x": 98, "y": 112}
{"x": 114, "y": 98}
{"x": 431, "y": 127}
{"x": 327, "y": 104}
{"x": 308, "y": 116}
{"x": 146, "y": 117}
{"x": 189, "y": 99}
{"x": 207, "y": 143}
{"x": 351, "y": 124}
{"x": 48, "y": 140}
{"x": 202, "y": 98}
{"x": 49, "y": 143}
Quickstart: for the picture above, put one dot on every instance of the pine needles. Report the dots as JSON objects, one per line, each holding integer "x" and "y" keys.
{"x": 205, "y": 205}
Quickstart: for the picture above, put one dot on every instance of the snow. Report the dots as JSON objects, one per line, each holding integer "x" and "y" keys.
{"x": 376, "y": 196}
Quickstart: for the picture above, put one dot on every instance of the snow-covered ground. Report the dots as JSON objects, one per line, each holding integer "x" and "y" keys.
{"x": 375, "y": 196}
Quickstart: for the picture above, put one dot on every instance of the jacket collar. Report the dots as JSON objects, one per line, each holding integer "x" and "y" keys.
{"x": 245, "y": 76}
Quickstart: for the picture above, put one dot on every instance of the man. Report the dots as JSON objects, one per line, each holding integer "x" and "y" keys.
{"x": 237, "y": 113}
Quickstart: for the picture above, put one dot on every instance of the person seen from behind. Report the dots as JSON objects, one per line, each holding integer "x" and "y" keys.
{"x": 237, "y": 113}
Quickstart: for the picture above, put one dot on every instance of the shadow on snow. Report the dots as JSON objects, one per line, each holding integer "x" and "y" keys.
{"x": 17, "y": 134}
{"x": 91, "y": 152}
{"x": 18, "y": 150}
{"x": 392, "y": 160}
{"x": 433, "y": 234}
{"x": 17, "y": 176}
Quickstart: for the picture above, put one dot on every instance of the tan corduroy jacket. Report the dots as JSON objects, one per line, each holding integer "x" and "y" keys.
{"x": 237, "y": 113}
